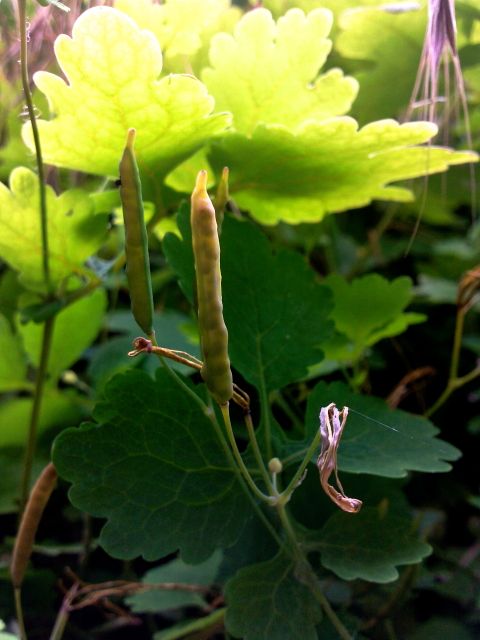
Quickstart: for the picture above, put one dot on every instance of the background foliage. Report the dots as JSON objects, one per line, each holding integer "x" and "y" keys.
{"x": 305, "y": 102}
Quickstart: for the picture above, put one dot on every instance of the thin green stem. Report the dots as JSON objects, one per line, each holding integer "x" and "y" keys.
{"x": 475, "y": 373}
{"x": 257, "y": 453}
{"x": 309, "y": 575}
{"x": 457, "y": 343}
{"x": 36, "y": 139}
{"x": 238, "y": 457}
{"x": 19, "y": 613}
{"x": 40, "y": 378}
{"x": 452, "y": 386}
{"x": 454, "y": 381}
{"x": 285, "y": 407}
{"x": 207, "y": 411}
{"x": 292, "y": 485}
{"x": 266, "y": 418}
{"x": 60, "y": 624}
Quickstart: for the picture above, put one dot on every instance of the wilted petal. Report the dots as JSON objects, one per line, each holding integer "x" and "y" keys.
{"x": 331, "y": 429}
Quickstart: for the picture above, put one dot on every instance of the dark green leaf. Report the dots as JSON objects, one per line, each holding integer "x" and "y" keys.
{"x": 267, "y": 602}
{"x": 11, "y": 463}
{"x": 369, "y": 544}
{"x": 442, "y": 628}
{"x": 179, "y": 252}
{"x": 155, "y": 469}
{"x": 275, "y": 311}
{"x": 254, "y": 545}
{"x": 177, "y": 572}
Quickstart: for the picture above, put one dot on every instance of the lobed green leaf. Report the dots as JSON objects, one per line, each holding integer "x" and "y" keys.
{"x": 112, "y": 69}
{"x": 275, "y": 310}
{"x": 328, "y": 166}
{"x": 75, "y": 233}
{"x": 268, "y": 72}
{"x": 369, "y": 545}
{"x": 266, "y": 601}
{"x": 154, "y": 468}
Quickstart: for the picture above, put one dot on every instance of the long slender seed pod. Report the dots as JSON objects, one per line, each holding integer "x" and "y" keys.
{"x": 136, "y": 240}
{"x": 37, "y": 501}
{"x": 221, "y": 198}
{"x": 213, "y": 332}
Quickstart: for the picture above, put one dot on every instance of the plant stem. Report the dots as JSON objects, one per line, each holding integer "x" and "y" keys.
{"x": 285, "y": 407}
{"x": 310, "y": 576}
{"x": 257, "y": 453}
{"x": 211, "y": 416}
{"x": 238, "y": 457}
{"x": 457, "y": 343}
{"x": 454, "y": 381}
{"x": 40, "y": 378}
{"x": 36, "y": 139}
{"x": 19, "y": 613}
{"x": 287, "y": 492}
{"x": 266, "y": 418}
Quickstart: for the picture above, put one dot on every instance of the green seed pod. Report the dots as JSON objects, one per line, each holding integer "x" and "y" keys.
{"x": 221, "y": 198}
{"x": 213, "y": 332}
{"x": 136, "y": 240}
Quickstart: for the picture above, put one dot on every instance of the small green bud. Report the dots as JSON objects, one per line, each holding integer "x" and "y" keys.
{"x": 275, "y": 466}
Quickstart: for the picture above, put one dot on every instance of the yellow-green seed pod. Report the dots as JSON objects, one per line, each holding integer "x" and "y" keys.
{"x": 221, "y": 198}
{"x": 213, "y": 332}
{"x": 136, "y": 240}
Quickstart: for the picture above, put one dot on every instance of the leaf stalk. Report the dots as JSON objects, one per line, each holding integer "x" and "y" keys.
{"x": 40, "y": 379}
{"x": 38, "y": 149}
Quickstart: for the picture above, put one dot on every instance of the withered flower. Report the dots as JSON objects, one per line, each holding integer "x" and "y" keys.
{"x": 331, "y": 430}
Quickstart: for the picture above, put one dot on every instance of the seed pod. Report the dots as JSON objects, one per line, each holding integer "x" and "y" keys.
{"x": 136, "y": 240}
{"x": 34, "y": 509}
{"x": 221, "y": 198}
{"x": 213, "y": 332}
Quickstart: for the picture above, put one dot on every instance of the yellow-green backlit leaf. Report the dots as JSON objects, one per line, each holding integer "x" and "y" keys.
{"x": 112, "y": 69}
{"x": 327, "y": 166}
{"x": 267, "y": 71}
{"x": 183, "y": 28}
{"x": 75, "y": 233}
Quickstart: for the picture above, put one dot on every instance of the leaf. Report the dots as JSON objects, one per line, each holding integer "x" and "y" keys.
{"x": 441, "y": 627}
{"x": 11, "y": 461}
{"x": 13, "y": 365}
{"x": 325, "y": 167}
{"x": 74, "y": 232}
{"x": 379, "y": 440}
{"x": 206, "y": 626}
{"x": 278, "y": 7}
{"x": 370, "y": 308}
{"x": 177, "y": 572}
{"x": 179, "y": 252}
{"x": 266, "y": 602}
{"x": 74, "y": 330}
{"x": 112, "y": 70}
{"x": 369, "y": 545}
{"x": 58, "y": 410}
{"x": 268, "y": 72}
{"x": 154, "y": 468}
{"x": 183, "y": 28}
{"x": 275, "y": 310}
{"x": 375, "y": 36}
{"x": 254, "y": 545}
